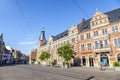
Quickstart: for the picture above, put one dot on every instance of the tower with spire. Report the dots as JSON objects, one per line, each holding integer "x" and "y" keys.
{"x": 42, "y": 39}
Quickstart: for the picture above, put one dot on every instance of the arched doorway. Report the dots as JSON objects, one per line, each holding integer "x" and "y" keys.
{"x": 91, "y": 63}
{"x": 104, "y": 59}
{"x": 77, "y": 62}
{"x": 118, "y": 58}
{"x": 83, "y": 61}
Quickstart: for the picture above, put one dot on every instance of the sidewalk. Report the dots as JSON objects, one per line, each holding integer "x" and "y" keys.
{"x": 92, "y": 69}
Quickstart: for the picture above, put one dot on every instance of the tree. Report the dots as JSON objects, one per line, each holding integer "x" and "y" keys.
{"x": 45, "y": 56}
{"x": 66, "y": 52}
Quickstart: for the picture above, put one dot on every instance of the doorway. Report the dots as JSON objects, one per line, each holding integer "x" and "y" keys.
{"x": 104, "y": 59}
{"x": 83, "y": 61}
{"x": 91, "y": 63}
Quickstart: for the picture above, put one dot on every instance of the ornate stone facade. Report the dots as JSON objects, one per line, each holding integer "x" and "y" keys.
{"x": 95, "y": 40}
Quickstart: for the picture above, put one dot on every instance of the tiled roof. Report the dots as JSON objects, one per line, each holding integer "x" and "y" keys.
{"x": 113, "y": 15}
{"x": 61, "y": 35}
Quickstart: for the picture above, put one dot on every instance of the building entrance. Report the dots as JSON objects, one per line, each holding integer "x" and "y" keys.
{"x": 83, "y": 61}
{"x": 104, "y": 59}
{"x": 77, "y": 62}
{"x": 91, "y": 63}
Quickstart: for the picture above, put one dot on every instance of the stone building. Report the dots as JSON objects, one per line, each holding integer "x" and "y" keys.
{"x": 99, "y": 39}
{"x": 68, "y": 36}
{"x": 2, "y": 49}
{"x": 95, "y": 40}
{"x": 33, "y": 56}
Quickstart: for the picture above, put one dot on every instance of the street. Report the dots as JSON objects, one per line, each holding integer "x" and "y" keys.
{"x": 37, "y": 72}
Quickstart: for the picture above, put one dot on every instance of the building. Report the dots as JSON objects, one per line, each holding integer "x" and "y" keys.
{"x": 33, "y": 56}
{"x": 99, "y": 39}
{"x": 9, "y": 55}
{"x": 68, "y": 36}
{"x": 2, "y": 50}
{"x": 95, "y": 40}
{"x": 16, "y": 55}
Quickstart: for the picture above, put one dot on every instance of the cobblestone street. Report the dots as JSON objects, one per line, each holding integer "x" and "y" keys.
{"x": 32, "y": 72}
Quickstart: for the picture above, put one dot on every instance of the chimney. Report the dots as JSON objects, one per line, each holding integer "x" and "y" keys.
{"x": 81, "y": 24}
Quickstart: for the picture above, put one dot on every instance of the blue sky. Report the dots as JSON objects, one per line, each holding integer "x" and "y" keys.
{"x": 55, "y": 15}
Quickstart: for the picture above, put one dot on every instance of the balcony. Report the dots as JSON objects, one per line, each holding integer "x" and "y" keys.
{"x": 102, "y": 50}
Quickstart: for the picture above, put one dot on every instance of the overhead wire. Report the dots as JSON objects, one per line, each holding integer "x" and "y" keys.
{"x": 75, "y": 2}
{"x": 26, "y": 21}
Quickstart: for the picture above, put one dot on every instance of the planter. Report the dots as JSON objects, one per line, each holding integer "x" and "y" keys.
{"x": 117, "y": 68}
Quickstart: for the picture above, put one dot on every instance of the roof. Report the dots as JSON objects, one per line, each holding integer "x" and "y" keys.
{"x": 113, "y": 15}
{"x": 61, "y": 35}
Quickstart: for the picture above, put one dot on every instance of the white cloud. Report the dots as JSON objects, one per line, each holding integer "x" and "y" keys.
{"x": 28, "y": 42}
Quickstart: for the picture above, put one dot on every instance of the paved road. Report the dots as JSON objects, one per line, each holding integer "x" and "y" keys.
{"x": 32, "y": 72}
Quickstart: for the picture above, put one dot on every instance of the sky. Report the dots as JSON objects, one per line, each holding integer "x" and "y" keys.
{"x": 21, "y": 21}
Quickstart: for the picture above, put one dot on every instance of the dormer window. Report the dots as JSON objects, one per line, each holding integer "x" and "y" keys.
{"x": 96, "y": 23}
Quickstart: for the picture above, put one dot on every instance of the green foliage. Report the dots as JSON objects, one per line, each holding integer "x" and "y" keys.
{"x": 44, "y": 56}
{"x": 39, "y": 63}
{"x": 32, "y": 62}
{"x": 66, "y": 51}
{"x": 67, "y": 63}
{"x": 116, "y": 64}
{"x": 52, "y": 63}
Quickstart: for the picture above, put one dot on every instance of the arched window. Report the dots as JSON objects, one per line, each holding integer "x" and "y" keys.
{"x": 118, "y": 58}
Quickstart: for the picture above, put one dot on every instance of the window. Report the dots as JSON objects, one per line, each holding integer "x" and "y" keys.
{"x": 82, "y": 47}
{"x": 73, "y": 31}
{"x": 67, "y": 41}
{"x": 104, "y": 31}
{"x": 115, "y": 29}
{"x": 82, "y": 37}
{"x": 96, "y": 45}
{"x": 89, "y": 46}
{"x": 96, "y": 23}
{"x": 92, "y": 23}
{"x": 101, "y": 44}
{"x": 88, "y": 35}
{"x": 117, "y": 42}
{"x": 100, "y": 21}
{"x": 73, "y": 40}
{"x": 64, "y": 42}
{"x": 106, "y": 43}
{"x": 95, "y": 33}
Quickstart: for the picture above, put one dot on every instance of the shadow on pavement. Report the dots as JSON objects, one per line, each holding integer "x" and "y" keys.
{"x": 90, "y": 78}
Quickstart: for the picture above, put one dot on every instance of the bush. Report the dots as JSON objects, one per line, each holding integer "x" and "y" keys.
{"x": 32, "y": 62}
{"x": 39, "y": 63}
{"x": 116, "y": 64}
{"x": 67, "y": 63}
{"x": 52, "y": 63}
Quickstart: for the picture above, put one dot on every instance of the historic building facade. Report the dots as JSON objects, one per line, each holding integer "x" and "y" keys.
{"x": 68, "y": 36}
{"x": 99, "y": 39}
{"x": 95, "y": 40}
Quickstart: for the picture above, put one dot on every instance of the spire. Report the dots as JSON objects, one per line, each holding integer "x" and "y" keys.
{"x": 43, "y": 28}
{"x": 42, "y": 35}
